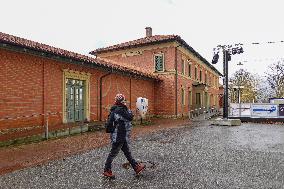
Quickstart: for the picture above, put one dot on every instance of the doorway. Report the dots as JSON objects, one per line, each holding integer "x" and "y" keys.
{"x": 75, "y": 93}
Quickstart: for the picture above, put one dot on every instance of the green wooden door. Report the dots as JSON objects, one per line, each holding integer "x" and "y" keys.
{"x": 75, "y": 92}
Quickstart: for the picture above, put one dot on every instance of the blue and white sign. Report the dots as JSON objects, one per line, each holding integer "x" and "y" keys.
{"x": 264, "y": 110}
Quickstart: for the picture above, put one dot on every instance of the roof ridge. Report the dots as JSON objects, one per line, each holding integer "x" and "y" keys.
{"x": 136, "y": 42}
{"x": 19, "y": 40}
{"x": 153, "y": 40}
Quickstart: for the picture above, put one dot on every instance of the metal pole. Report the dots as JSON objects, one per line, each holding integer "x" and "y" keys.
{"x": 239, "y": 99}
{"x": 240, "y": 104}
{"x": 225, "y": 83}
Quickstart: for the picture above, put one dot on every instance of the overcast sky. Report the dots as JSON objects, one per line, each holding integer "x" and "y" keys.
{"x": 84, "y": 25}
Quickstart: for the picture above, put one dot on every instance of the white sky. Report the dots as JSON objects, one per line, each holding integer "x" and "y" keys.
{"x": 84, "y": 25}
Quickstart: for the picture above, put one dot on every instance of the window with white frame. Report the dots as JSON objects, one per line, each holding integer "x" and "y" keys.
{"x": 159, "y": 62}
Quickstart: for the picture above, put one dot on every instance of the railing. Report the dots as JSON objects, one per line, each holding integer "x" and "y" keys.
{"x": 203, "y": 113}
{"x": 29, "y": 116}
{"x": 44, "y": 126}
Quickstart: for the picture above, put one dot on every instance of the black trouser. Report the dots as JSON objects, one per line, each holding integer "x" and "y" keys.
{"x": 116, "y": 147}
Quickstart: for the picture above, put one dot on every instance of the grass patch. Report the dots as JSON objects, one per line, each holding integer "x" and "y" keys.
{"x": 20, "y": 141}
{"x": 137, "y": 123}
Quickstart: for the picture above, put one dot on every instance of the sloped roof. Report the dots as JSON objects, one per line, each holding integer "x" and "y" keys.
{"x": 155, "y": 39}
{"x": 32, "y": 45}
{"x": 135, "y": 43}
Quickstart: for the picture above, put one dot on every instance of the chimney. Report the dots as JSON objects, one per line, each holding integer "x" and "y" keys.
{"x": 148, "y": 31}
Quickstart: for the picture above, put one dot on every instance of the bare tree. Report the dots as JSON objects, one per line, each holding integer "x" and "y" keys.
{"x": 275, "y": 78}
{"x": 264, "y": 91}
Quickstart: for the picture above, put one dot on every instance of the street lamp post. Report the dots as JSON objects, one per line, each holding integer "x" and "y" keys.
{"x": 225, "y": 82}
{"x": 227, "y": 51}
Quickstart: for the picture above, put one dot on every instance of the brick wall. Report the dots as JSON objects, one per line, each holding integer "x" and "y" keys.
{"x": 132, "y": 89}
{"x": 34, "y": 85}
{"x": 164, "y": 91}
{"x": 165, "y": 96}
{"x": 21, "y": 88}
{"x": 144, "y": 61}
{"x": 185, "y": 82}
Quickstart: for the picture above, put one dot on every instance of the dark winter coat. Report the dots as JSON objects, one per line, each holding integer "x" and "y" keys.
{"x": 119, "y": 123}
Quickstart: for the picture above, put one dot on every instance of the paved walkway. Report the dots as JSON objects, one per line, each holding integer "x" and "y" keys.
{"x": 19, "y": 157}
{"x": 199, "y": 156}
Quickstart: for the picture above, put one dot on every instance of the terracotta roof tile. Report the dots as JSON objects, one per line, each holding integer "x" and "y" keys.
{"x": 137, "y": 42}
{"x": 21, "y": 42}
{"x": 153, "y": 40}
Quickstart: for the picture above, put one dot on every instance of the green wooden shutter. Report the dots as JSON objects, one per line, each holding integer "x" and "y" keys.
{"x": 159, "y": 63}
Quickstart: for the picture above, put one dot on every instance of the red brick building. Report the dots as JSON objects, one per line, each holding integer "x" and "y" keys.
{"x": 39, "y": 81}
{"x": 188, "y": 81}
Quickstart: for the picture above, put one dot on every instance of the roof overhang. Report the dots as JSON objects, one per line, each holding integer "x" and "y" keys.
{"x": 17, "y": 44}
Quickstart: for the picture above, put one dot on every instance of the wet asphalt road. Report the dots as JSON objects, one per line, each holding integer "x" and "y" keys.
{"x": 202, "y": 156}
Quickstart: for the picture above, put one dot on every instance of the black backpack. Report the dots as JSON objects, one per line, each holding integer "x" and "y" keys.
{"x": 110, "y": 126}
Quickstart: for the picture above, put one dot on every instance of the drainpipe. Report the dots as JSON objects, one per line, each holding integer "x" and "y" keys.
{"x": 101, "y": 92}
{"x": 43, "y": 93}
{"x": 130, "y": 93}
{"x": 176, "y": 84}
